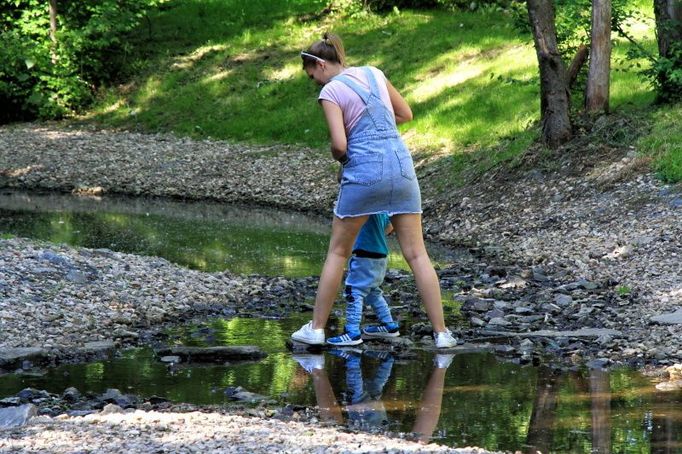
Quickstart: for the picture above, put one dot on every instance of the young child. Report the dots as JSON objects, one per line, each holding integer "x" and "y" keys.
{"x": 366, "y": 271}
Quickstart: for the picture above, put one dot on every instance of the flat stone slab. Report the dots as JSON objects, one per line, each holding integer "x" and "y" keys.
{"x": 582, "y": 332}
{"x": 13, "y": 357}
{"x": 672, "y": 318}
{"x": 16, "y": 416}
{"x": 214, "y": 354}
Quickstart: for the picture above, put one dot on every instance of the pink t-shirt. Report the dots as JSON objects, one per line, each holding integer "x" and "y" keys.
{"x": 350, "y": 103}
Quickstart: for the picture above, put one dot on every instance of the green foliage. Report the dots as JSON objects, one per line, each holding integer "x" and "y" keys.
{"x": 42, "y": 79}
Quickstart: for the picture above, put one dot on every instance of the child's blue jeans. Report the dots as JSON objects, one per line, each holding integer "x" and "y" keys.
{"x": 363, "y": 285}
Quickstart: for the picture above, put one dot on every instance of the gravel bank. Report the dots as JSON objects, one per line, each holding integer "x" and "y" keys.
{"x": 593, "y": 242}
{"x": 145, "y": 432}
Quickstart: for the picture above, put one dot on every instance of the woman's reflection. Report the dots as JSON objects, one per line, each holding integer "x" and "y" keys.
{"x": 362, "y": 400}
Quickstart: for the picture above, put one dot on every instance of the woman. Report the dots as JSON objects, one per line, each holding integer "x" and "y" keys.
{"x": 362, "y": 109}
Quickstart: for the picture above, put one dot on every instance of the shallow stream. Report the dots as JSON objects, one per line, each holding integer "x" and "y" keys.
{"x": 478, "y": 399}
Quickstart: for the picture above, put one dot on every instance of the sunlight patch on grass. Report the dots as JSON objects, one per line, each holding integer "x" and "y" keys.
{"x": 288, "y": 72}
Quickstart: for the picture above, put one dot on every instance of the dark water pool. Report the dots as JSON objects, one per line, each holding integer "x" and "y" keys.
{"x": 199, "y": 235}
{"x": 478, "y": 400}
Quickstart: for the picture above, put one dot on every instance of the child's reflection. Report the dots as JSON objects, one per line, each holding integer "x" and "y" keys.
{"x": 362, "y": 402}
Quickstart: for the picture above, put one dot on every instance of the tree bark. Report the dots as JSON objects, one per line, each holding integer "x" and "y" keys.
{"x": 554, "y": 94}
{"x": 53, "y": 30}
{"x": 597, "y": 92}
{"x": 577, "y": 63}
{"x": 669, "y": 34}
{"x": 53, "y": 20}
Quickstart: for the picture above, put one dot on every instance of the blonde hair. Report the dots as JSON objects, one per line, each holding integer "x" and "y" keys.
{"x": 329, "y": 48}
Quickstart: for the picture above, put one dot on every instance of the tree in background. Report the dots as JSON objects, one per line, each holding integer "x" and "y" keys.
{"x": 554, "y": 91}
{"x": 668, "y": 67}
{"x": 597, "y": 90}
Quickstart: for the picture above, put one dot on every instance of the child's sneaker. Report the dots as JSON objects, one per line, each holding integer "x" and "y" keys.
{"x": 308, "y": 335}
{"x": 383, "y": 330}
{"x": 444, "y": 339}
{"x": 345, "y": 339}
{"x": 309, "y": 362}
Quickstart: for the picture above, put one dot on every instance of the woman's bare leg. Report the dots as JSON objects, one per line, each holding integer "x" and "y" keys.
{"x": 344, "y": 232}
{"x": 408, "y": 227}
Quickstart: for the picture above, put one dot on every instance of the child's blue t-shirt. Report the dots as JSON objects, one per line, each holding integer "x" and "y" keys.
{"x": 372, "y": 236}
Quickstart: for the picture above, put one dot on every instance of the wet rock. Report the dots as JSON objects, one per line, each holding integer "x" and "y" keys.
{"x": 240, "y": 394}
{"x": 12, "y": 417}
{"x": 214, "y": 354}
{"x": 71, "y": 394}
{"x": 674, "y": 385}
{"x": 11, "y": 358}
{"x": 170, "y": 359}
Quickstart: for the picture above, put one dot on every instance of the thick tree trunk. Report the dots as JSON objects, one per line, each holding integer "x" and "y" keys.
{"x": 554, "y": 94}
{"x": 669, "y": 34}
{"x": 597, "y": 92}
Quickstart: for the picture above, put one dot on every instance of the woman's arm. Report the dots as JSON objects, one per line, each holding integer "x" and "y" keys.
{"x": 337, "y": 132}
{"x": 402, "y": 110}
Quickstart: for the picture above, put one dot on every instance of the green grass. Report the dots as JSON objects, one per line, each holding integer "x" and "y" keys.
{"x": 230, "y": 69}
{"x": 664, "y": 143}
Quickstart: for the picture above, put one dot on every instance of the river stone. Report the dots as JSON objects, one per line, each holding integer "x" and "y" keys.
{"x": 16, "y": 416}
{"x": 98, "y": 347}
{"x": 76, "y": 277}
{"x": 170, "y": 359}
{"x": 71, "y": 394}
{"x": 669, "y": 385}
{"x": 13, "y": 358}
{"x": 672, "y": 318}
{"x": 562, "y": 300}
{"x": 215, "y": 354}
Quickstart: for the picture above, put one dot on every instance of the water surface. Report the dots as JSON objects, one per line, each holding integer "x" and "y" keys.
{"x": 202, "y": 235}
{"x": 478, "y": 400}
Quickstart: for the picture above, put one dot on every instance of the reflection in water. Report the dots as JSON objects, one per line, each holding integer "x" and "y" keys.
{"x": 199, "y": 235}
{"x": 362, "y": 399}
{"x": 468, "y": 399}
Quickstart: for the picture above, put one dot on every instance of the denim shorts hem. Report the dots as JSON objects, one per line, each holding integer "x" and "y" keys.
{"x": 389, "y": 213}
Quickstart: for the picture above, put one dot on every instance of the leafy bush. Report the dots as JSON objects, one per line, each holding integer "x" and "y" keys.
{"x": 44, "y": 79}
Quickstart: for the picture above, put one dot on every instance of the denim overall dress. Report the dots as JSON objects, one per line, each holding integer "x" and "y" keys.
{"x": 379, "y": 176}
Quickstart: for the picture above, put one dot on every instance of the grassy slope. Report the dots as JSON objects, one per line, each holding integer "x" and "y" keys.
{"x": 229, "y": 69}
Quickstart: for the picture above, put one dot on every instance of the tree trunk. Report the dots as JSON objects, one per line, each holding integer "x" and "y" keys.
{"x": 53, "y": 29}
{"x": 53, "y": 20}
{"x": 597, "y": 92}
{"x": 554, "y": 94}
{"x": 577, "y": 63}
{"x": 669, "y": 34}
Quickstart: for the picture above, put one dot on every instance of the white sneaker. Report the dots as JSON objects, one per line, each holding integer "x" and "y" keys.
{"x": 308, "y": 335}
{"x": 309, "y": 362}
{"x": 444, "y": 339}
{"x": 443, "y": 360}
